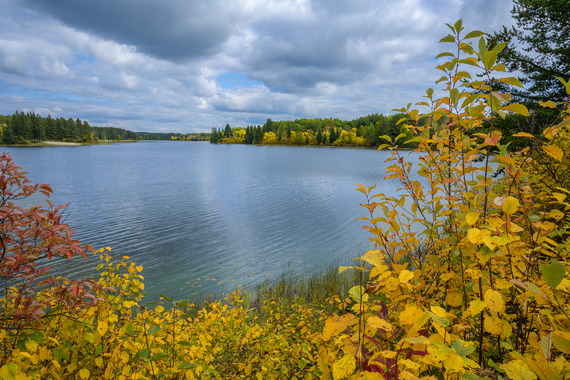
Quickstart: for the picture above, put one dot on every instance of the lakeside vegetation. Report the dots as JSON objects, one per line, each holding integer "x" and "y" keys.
{"x": 471, "y": 282}
{"x": 366, "y": 131}
{"x": 26, "y": 128}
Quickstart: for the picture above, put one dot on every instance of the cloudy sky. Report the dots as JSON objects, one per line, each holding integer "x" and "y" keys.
{"x": 190, "y": 65}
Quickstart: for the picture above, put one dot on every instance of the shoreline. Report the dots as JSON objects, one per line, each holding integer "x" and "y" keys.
{"x": 60, "y": 143}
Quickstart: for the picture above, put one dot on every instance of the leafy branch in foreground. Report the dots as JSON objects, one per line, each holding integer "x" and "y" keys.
{"x": 470, "y": 274}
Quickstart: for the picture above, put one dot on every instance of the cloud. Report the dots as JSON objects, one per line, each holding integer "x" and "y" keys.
{"x": 193, "y": 65}
{"x": 174, "y": 30}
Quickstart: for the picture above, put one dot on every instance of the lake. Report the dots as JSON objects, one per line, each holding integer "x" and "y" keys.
{"x": 204, "y": 218}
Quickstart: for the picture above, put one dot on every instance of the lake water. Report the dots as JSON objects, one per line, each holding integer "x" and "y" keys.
{"x": 203, "y": 218}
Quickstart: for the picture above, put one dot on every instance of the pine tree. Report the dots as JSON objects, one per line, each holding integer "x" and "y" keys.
{"x": 538, "y": 47}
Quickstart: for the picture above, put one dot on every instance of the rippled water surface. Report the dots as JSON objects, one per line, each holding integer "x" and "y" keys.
{"x": 204, "y": 218}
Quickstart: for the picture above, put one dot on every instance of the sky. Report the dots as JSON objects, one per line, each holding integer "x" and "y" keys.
{"x": 190, "y": 65}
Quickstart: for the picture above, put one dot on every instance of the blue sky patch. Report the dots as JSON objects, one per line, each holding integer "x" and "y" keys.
{"x": 230, "y": 80}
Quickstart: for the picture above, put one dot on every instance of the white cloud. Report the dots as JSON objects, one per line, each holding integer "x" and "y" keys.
{"x": 159, "y": 69}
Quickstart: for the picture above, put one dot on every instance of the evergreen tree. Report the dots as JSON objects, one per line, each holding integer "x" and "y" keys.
{"x": 258, "y": 136}
{"x": 538, "y": 47}
{"x": 319, "y": 137}
{"x": 214, "y": 137}
{"x": 228, "y": 131}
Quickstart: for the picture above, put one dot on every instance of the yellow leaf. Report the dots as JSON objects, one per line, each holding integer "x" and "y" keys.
{"x": 454, "y": 299}
{"x": 471, "y": 217}
{"x": 518, "y": 370}
{"x": 379, "y": 323}
{"x": 510, "y": 205}
{"x": 523, "y": 134}
{"x": 31, "y": 345}
{"x": 494, "y": 301}
{"x": 554, "y": 151}
{"x": 516, "y": 108}
{"x": 549, "y": 104}
{"x": 495, "y": 221}
{"x": 516, "y": 228}
{"x": 102, "y": 327}
{"x": 335, "y": 324}
{"x": 374, "y": 257}
{"x": 159, "y": 309}
{"x": 43, "y": 353}
{"x": 375, "y": 271}
{"x": 405, "y": 276}
{"x": 493, "y": 325}
{"x": 410, "y": 315}
{"x": 475, "y": 307}
{"x": 418, "y": 340}
{"x": 410, "y": 364}
{"x": 84, "y": 373}
{"x": 453, "y": 362}
{"x": 344, "y": 367}
{"x": 475, "y": 236}
{"x": 406, "y": 375}
{"x": 440, "y": 312}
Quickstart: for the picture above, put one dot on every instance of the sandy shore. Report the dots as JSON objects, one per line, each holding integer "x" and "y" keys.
{"x": 60, "y": 143}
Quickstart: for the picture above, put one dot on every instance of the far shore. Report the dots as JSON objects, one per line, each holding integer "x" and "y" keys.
{"x": 60, "y": 143}
{"x": 65, "y": 143}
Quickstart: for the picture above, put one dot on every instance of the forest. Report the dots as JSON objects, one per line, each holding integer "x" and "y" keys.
{"x": 24, "y": 128}
{"x": 365, "y": 131}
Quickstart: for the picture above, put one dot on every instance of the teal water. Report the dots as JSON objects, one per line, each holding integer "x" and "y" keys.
{"x": 203, "y": 218}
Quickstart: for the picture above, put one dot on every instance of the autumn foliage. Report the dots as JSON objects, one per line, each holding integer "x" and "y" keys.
{"x": 468, "y": 277}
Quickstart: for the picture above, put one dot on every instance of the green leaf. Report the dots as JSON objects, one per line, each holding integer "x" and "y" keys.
{"x": 512, "y": 81}
{"x": 401, "y": 135}
{"x": 444, "y": 54}
{"x": 454, "y": 96}
{"x": 554, "y": 273}
{"x": 159, "y": 356}
{"x": 186, "y": 365}
{"x": 37, "y": 337}
{"x": 490, "y": 58}
{"x": 357, "y": 293}
{"x": 448, "y": 38}
{"x": 382, "y": 146}
{"x": 474, "y": 34}
{"x": 499, "y": 47}
{"x": 89, "y": 337}
{"x": 442, "y": 321}
{"x": 458, "y": 26}
{"x": 165, "y": 298}
{"x": 482, "y": 47}
{"x": 387, "y": 138}
{"x": 462, "y": 350}
{"x": 470, "y": 376}
{"x": 442, "y": 79}
{"x": 516, "y": 108}
{"x": 143, "y": 354}
{"x": 154, "y": 329}
{"x": 9, "y": 371}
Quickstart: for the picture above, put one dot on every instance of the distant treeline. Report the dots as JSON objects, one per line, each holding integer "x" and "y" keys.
{"x": 365, "y": 131}
{"x": 23, "y": 128}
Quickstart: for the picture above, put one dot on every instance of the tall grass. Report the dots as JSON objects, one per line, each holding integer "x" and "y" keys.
{"x": 315, "y": 290}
